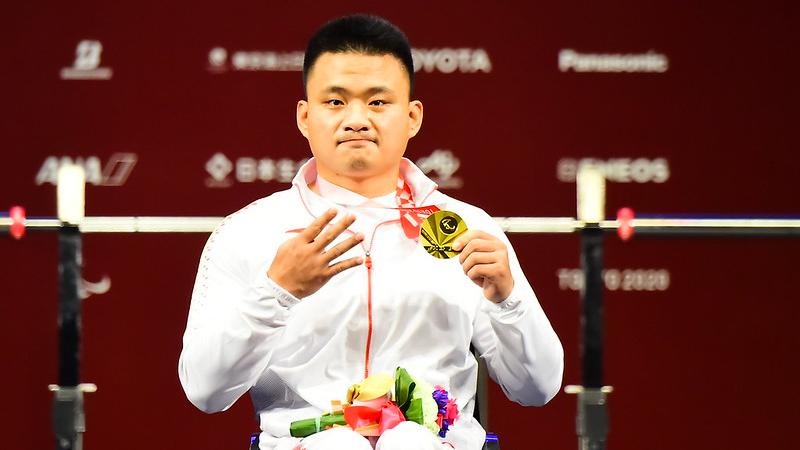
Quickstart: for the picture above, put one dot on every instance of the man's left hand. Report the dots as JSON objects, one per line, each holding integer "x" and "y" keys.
{"x": 484, "y": 259}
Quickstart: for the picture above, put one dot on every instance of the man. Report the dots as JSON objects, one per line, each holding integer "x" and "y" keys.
{"x": 305, "y": 292}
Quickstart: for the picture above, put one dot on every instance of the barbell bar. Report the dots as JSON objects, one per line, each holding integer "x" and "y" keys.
{"x": 16, "y": 224}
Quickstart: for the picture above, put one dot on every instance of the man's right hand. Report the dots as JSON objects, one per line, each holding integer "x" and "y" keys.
{"x": 302, "y": 265}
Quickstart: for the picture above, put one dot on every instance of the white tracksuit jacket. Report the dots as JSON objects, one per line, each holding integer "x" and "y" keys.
{"x": 412, "y": 310}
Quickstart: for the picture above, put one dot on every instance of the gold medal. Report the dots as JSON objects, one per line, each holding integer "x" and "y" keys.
{"x": 438, "y": 233}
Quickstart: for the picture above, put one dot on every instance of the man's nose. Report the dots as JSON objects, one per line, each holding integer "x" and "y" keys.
{"x": 356, "y": 118}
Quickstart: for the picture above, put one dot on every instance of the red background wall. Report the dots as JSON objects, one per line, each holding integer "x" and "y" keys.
{"x": 706, "y": 359}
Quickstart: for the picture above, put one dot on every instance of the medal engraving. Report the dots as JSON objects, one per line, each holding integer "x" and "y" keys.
{"x": 438, "y": 233}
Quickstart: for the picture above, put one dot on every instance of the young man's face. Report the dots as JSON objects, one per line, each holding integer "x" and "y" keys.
{"x": 358, "y": 117}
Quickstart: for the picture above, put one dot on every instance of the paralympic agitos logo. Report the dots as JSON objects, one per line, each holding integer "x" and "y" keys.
{"x": 448, "y": 225}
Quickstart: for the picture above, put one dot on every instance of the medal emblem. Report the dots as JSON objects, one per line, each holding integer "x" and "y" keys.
{"x": 438, "y": 233}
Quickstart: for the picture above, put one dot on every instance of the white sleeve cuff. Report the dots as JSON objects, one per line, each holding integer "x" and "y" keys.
{"x": 284, "y": 297}
{"x": 509, "y": 309}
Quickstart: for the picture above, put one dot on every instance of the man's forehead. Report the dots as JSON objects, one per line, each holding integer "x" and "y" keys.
{"x": 384, "y": 67}
{"x": 355, "y": 54}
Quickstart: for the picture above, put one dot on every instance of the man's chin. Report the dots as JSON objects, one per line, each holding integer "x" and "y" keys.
{"x": 358, "y": 164}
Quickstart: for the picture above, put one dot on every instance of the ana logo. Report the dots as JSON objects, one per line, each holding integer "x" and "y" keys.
{"x": 249, "y": 170}
{"x": 87, "y": 63}
{"x": 114, "y": 173}
{"x": 448, "y": 225}
{"x": 441, "y": 166}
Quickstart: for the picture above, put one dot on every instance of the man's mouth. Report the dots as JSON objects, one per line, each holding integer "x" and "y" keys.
{"x": 356, "y": 141}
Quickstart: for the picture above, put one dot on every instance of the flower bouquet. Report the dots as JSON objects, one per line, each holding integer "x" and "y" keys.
{"x": 380, "y": 402}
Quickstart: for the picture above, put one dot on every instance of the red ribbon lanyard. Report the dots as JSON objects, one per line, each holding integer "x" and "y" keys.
{"x": 411, "y": 215}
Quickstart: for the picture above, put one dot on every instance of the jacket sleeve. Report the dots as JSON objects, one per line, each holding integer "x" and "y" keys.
{"x": 235, "y": 318}
{"x": 522, "y": 351}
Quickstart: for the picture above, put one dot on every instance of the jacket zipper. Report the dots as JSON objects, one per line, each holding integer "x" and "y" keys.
{"x": 368, "y": 263}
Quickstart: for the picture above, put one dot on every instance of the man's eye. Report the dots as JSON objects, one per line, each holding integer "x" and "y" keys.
{"x": 378, "y": 103}
{"x": 335, "y": 102}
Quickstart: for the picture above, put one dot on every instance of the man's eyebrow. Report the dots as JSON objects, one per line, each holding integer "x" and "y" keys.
{"x": 369, "y": 92}
{"x": 335, "y": 90}
{"x": 379, "y": 90}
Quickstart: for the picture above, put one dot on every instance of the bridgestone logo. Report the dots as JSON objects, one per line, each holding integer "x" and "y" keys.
{"x": 570, "y": 60}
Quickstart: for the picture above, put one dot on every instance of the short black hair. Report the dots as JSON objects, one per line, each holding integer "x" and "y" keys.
{"x": 359, "y": 33}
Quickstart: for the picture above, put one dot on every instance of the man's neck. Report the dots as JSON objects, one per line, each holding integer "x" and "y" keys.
{"x": 369, "y": 187}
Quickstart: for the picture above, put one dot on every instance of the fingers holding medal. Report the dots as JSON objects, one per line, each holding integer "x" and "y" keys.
{"x": 483, "y": 257}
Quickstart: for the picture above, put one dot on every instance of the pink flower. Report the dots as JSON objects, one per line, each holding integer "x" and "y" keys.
{"x": 452, "y": 410}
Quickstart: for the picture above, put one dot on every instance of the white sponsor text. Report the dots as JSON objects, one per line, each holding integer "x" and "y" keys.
{"x": 618, "y": 279}
{"x": 115, "y": 172}
{"x": 570, "y": 60}
{"x": 618, "y": 170}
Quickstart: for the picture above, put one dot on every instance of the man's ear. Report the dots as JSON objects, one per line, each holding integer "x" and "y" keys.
{"x": 302, "y": 117}
{"x": 414, "y": 117}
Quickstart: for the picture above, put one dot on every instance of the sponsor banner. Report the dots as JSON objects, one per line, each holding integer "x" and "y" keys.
{"x": 88, "y": 288}
{"x": 254, "y": 60}
{"x": 87, "y": 63}
{"x": 223, "y": 172}
{"x": 450, "y": 60}
{"x": 651, "y": 62}
{"x": 114, "y": 172}
{"x": 617, "y": 170}
{"x": 428, "y": 60}
{"x": 441, "y": 166}
{"x": 634, "y": 279}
